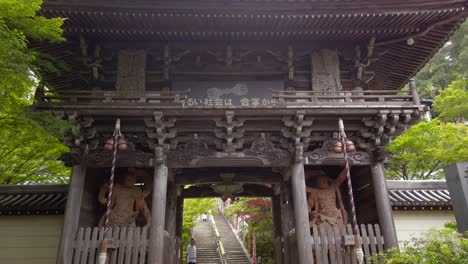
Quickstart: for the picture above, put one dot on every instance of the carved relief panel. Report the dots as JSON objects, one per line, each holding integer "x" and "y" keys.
{"x": 131, "y": 72}
{"x": 325, "y": 71}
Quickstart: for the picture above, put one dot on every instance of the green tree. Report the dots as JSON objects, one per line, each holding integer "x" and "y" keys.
{"x": 448, "y": 64}
{"x": 29, "y": 142}
{"x": 452, "y": 103}
{"x": 259, "y": 215}
{"x": 19, "y": 64}
{"x": 438, "y": 246}
{"x": 424, "y": 149}
{"x": 192, "y": 209}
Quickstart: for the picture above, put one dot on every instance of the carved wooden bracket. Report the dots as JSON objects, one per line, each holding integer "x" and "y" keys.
{"x": 298, "y": 129}
{"x": 82, "y": 138}
{"x": 380, "y": 130}
{"x": 233, "y": 132}
{"x": 160, "y": 129}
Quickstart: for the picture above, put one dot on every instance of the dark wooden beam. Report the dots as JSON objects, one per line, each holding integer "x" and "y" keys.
{"x": 250, "y": 190}
{"x": 212, "y": 176}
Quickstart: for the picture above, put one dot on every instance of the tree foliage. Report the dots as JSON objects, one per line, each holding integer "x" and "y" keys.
{"x": 447, "y": 65}
{"x": 258, "y": 214}
{"x": 19, "y": 24}
{"x": 424, "y": 149}
{"x": 438, "y": 246}
{"x": 452, "y": 103}
{"x": 29, "y": 141}
{"x": 192, "y": 209}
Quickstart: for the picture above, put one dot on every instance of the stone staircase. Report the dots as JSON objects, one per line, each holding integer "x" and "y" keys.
{"x": 234, "y": 252}
{"x": 206, "y": 244}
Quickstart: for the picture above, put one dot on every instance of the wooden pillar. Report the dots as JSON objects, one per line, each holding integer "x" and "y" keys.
{"x": 171, "y": 205}
{"x": 414, "y": 92}
{"x": 278, "y": 233}
{"x": 72, "y": 213}
{"x": 384, "y": 208}
{"x": 301, "y": 217}
{"x": 180, "y": 216}
{"x": 287, "y": 219}
{"x": 156, "y": 249}
{"x": 179, "y": 225}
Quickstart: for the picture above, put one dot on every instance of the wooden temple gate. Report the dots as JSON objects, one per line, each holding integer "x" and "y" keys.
{"x": 241, "y": 96}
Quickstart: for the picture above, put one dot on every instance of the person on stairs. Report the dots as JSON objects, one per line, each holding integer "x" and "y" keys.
{"x": 192, "y": 252}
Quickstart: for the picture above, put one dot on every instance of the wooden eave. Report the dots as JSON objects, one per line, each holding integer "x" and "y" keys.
{"x": 228, "y": 25}
{"x": 391, "y": 22}
{"x": 291, "y": 6}
{"x": 32, "y": 199}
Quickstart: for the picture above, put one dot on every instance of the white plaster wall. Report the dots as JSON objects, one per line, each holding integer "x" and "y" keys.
{"x": 413, "y": 222}
{"x": 30, "y": 239}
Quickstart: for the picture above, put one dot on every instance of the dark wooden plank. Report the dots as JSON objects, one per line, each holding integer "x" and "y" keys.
{"x": 318, "y": 248}
{"x": 113, "y": 253}
{"x": 86, "y": 246}
{"x": 129, "y": 244}
{"x": 365, "y": 243}
{"x": 93, "y": 245}
{"x": 380, "y": 240}
{"x": 331, "y": 244}
{"x": 143, "y": 245}
{"x": 79, "y": 245}
{"x": 136, "y": 245}
{"x": 372, "y": 240}
{"x": 339, "y": 244}
{"x": 352, "y": 251}
{"x": 346, "y": 251}
{"x": 122, "y": 245}
{"x": 324, "y": 240}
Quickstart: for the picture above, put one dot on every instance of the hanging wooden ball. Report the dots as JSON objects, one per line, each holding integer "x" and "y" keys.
{"x": 350, "y": 147}
{"x": 109, "y": 145}
{"x": 337, "y": 147}
{"x": 122, "y": 144}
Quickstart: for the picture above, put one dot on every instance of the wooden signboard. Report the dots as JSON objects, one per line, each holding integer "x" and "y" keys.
{"x": 222, "y": 94}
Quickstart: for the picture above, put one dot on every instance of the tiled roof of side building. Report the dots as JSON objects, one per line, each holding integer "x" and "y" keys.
{"x": 32, "y": 199}
{"x": 419, "y": 195}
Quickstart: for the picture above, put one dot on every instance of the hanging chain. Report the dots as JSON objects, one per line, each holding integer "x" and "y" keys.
{"x": 348, "y": 177}
{"x": 116, "y": 137}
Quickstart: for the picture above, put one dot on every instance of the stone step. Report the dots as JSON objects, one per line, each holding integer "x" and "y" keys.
{"x": 207, "y": 252}
{"x": 234, "y": 251}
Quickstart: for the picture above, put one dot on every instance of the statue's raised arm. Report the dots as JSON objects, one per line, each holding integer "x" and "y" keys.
{"x": 341, "y": 178}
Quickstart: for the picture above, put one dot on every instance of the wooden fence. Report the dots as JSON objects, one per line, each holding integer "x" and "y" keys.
{"x": 126, "y": 245}
{"x": 280, "y": 98}
{"x": 336, "y": 244}
{"x": 344, "y": 97}
{"x": 164, "y": 98}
